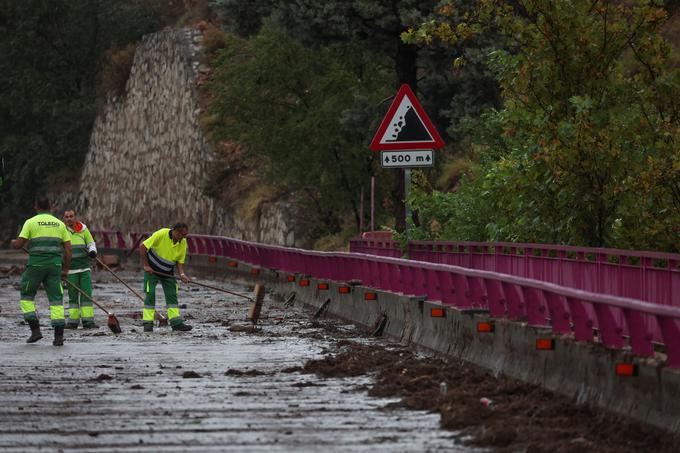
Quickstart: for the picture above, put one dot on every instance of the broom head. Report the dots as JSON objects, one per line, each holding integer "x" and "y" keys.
{"x": 113, "y": 324}
{"x": 162, "y": 320}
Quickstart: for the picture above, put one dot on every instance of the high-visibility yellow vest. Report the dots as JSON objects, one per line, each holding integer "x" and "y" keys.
{"x": 163, "y": 252}
{"x": 46, "y": 235}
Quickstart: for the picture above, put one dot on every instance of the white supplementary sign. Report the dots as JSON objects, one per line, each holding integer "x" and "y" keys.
{"x": 406, "y": 159}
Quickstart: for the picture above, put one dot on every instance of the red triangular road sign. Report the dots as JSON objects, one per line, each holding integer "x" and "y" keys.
{"x": 406, "y": 126}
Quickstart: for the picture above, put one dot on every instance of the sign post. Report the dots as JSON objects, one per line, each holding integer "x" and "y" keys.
{"x": 406, "y": 138}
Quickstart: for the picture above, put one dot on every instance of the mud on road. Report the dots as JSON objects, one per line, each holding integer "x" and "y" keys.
{"x": 294, "y": 383}
{"x": 220, "y": 387}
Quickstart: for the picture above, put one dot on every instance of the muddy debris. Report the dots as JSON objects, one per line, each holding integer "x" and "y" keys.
{"x": 12, "y": 270}
{"x": 191, "y": 375}
{"x": 244, "y": 328}
{"x": 102, "y": 378}
{"x": 306, "y": 384}
{"x": 136, "y": 387}
{"x": 234, "y": 372}
{"x": 521, "y": 417}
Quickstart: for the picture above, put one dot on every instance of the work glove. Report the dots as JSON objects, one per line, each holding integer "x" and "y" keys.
{"x": 93, "y": 253}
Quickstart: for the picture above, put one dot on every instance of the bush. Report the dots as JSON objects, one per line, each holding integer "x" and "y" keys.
{"x": 116, "y": 70}
{"x": 214, "y": 39}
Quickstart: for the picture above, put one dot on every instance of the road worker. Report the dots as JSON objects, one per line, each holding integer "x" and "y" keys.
{"x": 160, "y": 253}
{"x": 47, "y": 238}
{"x": 80, "y": 275}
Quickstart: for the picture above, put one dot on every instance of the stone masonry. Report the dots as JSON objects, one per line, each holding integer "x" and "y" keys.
{"x": 149, "y": 161}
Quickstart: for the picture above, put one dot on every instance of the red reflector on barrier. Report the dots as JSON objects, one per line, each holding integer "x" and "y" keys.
{"x": 254, "y": 271}
{"x": 545, "y": 344}
{"x": 437, "y": 313}
{"x": 232, "y": 264}
{"x": 212, "y": 259}
{"x": 304, "y": 282}
{"x": 484, "y": 327}
{"x": 290, "y": 278}
{"x": 322, "y": 286}
{"x": 370, "y": 296}
{"x": 344, "y": 289}
{"x": 626, "y": 369}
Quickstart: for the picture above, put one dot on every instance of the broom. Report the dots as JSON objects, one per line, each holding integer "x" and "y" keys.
{"x": 112, "y": 322}
{"x": 255, "y": 307}
{"x": 162, "y": 320}
{"x": 192, "y": 282}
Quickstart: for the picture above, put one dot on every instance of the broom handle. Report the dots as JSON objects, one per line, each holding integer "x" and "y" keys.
{"x": 206, "y": 286}
{"x": 119, "y": 279}
{"x": 160, "y": 315}
{"x": 89, "y": 297}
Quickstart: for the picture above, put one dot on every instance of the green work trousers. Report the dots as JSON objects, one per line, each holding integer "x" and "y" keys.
{"x": 80, "y": 306}
{"x": 170, "y": 289}
{"x": 50, "y": 277}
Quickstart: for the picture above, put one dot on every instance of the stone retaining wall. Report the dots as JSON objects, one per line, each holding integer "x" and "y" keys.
{"x": 149, "y": 161}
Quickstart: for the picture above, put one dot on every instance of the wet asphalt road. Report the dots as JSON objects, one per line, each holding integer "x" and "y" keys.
{"x": 135, "y": 392}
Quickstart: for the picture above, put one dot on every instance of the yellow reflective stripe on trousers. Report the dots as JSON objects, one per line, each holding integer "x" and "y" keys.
{"x": 74, "y": 313}
{"x": 27, "y": 306}
{"x": 88, "y": 312}
{"x": 173, "y": 313}
{"x": 148, "y": 314}
{"x": 56, "y": 312}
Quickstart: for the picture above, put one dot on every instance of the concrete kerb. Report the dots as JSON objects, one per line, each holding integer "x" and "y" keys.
{"x": 583, "y": 371}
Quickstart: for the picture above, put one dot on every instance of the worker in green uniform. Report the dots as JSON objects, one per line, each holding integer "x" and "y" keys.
{"x": 47, "y": 238}
{"x": 80, "y": 275}
{"x": 160, "y": 253}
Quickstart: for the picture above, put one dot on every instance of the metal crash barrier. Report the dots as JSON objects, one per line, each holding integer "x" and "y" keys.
{"x": 620, "y": 321}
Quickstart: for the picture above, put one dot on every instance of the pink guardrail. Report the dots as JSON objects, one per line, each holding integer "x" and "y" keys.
{"x": 618, "y": 321}
{"x": 649, "y": 276}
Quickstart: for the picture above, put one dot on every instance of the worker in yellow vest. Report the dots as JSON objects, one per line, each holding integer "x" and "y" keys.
{"x": 79, "y": 274}
{"x": 47, "y": 238}
{"x": 160, "y": 253}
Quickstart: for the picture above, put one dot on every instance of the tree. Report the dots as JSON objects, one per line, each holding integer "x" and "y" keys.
{"x": 52, "y": 51}
{"x": 372, "y": 28}
{"x": 585, "y": 149}
{"x": 295, "y": 109}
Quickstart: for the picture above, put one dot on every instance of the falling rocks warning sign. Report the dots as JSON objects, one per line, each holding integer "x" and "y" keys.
{"x": 406, "y": 126}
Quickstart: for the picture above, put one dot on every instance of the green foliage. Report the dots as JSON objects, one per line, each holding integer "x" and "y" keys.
{"x": 243, "y": 17}
{"x": 52, "y": 51}
{"x": 585, "y": 149}
{"x": 302, "y": 115}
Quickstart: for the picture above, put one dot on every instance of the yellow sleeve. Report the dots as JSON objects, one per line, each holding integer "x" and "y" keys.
{"x": 151, "y": 240}
{"x": 25, "y": 231}
{"x": 88, "y": 236}
{"x": 183, "y": 255}
{"x": 65, "y": 235}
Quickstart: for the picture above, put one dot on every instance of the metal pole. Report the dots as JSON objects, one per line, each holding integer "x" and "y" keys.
{"x": 407, "y": 192}
{"x": 361, "y": 212}
{"x": 372, "y": 203}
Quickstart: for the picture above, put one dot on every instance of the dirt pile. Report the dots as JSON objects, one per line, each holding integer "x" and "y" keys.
{"x": 501, "y": 413}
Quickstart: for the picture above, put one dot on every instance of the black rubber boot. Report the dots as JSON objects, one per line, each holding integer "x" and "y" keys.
{"x": 148, "y": 327}
{"x": 35, "y": 331}
{"x": 90, "y": 325}
{"x": 58, "y": 336}
{"x": 182, "y": 327}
